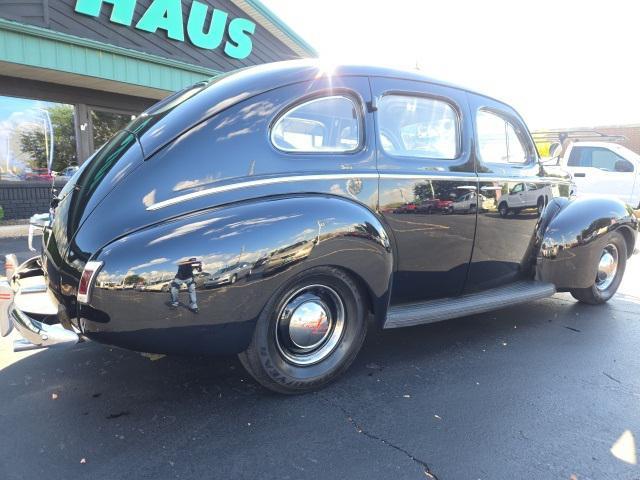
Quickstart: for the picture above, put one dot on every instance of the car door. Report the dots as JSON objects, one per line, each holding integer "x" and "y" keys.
{"x": 506, "y": 161}
{"x": 423, "y": 154}
{"x": 531, "y": 194}
{"x": 598, "y": 170}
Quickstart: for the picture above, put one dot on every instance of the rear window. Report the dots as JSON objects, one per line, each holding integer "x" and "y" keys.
{"x": 322, "y": 125}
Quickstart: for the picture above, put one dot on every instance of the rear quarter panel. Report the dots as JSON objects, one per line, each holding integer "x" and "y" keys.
{"x": 278, "y": 237}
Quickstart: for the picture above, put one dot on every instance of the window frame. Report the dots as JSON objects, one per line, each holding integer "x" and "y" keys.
{"x": 346, "y": 94}
{"x": 409, "y": 93}
{"x": 525, "y": 141}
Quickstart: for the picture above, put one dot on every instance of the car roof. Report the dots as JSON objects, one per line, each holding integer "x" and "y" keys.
{"x": 221, "y": 92}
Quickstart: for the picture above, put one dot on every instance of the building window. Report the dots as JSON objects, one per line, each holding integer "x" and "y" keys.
{"x": 37, "y": 140}
{"x": 321, "y": 125}
{"x": 498, "y": 140}
{"x": 418, "y": 127}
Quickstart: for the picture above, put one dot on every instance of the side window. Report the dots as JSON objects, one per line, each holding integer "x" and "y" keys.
{"x": 418, "y": 127}
{"x": 578, "y": 157}
{"x": 598, "y": 157}
{"x": 518, "y": 188}
{"x": 605, "y": 159}
{"x": 322, "y": 125}
{"x": 498, "y": 140}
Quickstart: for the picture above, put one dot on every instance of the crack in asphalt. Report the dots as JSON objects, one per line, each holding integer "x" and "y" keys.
{"x": 358, "y": 427}
{"x": 611, "y": 378}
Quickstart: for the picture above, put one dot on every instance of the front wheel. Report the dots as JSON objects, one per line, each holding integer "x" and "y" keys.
{"x": 610, "y": 270}
{"x": 308, "y": 333}
{"x": 503, "y": 209}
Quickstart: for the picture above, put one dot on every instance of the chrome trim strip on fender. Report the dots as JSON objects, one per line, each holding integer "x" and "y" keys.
{"x": 330, "y": 176}
{"x": 257, "y": 183}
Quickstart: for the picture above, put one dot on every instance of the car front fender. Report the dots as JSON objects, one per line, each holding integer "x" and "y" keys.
{"x": 571, "y": 235}
{"x": 266, "y": 241}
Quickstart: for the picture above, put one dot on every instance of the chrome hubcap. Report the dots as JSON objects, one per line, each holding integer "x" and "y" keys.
{"x": 310, "y": 325}
{"x": 607, "y": 267}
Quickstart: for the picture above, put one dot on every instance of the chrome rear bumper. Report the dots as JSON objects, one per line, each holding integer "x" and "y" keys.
{"x": 23, "y": 298}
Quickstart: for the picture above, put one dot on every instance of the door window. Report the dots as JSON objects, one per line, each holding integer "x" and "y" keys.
{"x": 412, "y": 126}
{"x": 327, "y": 124}
{"x": 598, "y": 157}
{"x": 518, "y": 188}
{"x": 498, "y": 140}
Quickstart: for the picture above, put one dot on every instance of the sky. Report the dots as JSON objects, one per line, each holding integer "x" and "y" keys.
{"x": 560, "y": 63}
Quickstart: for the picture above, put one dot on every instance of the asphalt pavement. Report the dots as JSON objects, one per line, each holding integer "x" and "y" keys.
{"x": 541, "y": 391}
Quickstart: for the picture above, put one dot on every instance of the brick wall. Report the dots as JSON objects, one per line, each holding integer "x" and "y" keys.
{"x": 632, "y": 132}
{"x": 22, "y": 199}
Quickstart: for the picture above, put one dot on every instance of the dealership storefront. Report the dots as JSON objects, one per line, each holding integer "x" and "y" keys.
{"x": 73, "y": 72}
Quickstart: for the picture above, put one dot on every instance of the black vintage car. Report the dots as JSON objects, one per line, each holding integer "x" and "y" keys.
{"x": 302, "y": 175}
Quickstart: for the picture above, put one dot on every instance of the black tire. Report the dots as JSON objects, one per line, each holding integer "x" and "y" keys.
{"x": 266, "y": 359}
{"x": 540, "y": 206}
{"x": 595, "y": 295}
{"x": 233, "y": 279}
{"x": 503, "y": 209}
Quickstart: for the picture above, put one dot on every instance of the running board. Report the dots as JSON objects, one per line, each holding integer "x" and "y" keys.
{"x": 445, "y": 308}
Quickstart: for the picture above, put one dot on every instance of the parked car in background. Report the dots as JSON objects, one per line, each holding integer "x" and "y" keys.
{"x": 38, "y": 175}
{"x": 68, "y": 172}
{"x": 229, "y": 275}
{"x": 434, "y": 205}
{"x": 525, "y": 196}
{"x": 467, "y": 203}
{"x": 298, "y": 172}
{"x": 409, "y": 207}
{"x": 604, "y": 168}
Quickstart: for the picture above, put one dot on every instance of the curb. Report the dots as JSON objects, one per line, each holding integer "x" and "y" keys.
{"x": 15, "y": 231}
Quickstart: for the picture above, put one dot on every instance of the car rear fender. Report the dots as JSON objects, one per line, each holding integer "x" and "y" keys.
{"x": 571, "y": 235}
{"x": 277, "y": 236}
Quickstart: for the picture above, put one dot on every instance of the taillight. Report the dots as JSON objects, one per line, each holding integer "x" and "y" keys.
{"x": 86, "y": 280}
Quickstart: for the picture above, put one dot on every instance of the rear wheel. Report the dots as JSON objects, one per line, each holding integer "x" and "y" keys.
{"x": 610, "y": 270}
{"x": 308, "y": 333}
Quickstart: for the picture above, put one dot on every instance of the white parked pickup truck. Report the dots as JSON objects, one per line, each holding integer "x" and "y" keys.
{"x": 604, "y": 168}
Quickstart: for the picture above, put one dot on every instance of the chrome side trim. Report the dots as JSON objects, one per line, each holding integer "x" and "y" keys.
{"x": 256, "y": 183}
{"x": 335, "y": 176}
{"x": 429, "y": 176}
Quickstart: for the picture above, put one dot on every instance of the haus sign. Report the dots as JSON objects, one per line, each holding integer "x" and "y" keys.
{"x": 203, "y": 29}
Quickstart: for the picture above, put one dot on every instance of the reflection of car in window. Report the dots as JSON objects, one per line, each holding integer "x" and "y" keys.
{"x": 284, "y": 187}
